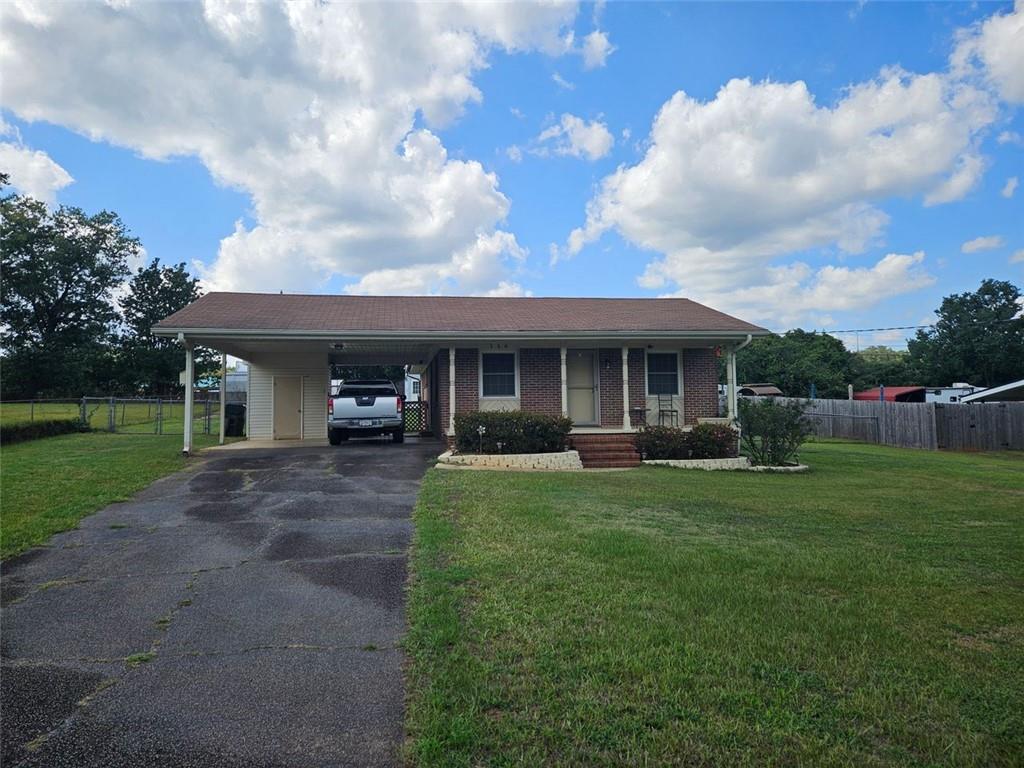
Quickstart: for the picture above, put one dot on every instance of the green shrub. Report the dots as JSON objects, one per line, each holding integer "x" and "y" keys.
{"x": 713, "y": 441}
{"x": 655, "y": 442}
{"x": 773, "y": 432}
{"x": 33, "y": 430}
{"x": 705, "y": 441}
{"x": 517, "y": 431}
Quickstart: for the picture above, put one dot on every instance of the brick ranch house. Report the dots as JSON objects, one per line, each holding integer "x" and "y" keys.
{"x": 584, "y": 358}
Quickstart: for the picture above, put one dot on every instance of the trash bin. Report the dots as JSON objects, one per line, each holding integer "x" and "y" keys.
{"x": 234, "y": 420}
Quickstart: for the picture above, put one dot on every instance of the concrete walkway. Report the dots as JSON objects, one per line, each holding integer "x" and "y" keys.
{"x": 245, "y": 612}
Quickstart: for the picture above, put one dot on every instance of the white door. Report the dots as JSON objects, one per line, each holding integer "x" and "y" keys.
{"x": 581, "y": 381}
{"x": 287, "y": 407}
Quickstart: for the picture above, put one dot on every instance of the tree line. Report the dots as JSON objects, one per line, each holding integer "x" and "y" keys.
{"x": 978, "y": 338}
{"x": 74, "y": 318}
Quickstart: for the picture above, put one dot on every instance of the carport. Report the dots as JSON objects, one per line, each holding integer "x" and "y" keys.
{"x": 289, "y": 376}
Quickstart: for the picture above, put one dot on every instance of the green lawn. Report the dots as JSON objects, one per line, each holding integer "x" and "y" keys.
{"x": 48, "y": 485}
{"x": 137, "y": 418}
{"x": 870, "y": 612}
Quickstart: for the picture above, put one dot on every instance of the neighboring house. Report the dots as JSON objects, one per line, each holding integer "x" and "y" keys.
{"x": 412, "y": 387}
{"x": 608, "y": 364}
{"x": 893, "y": 394}
{"x": 1005, "y": 393}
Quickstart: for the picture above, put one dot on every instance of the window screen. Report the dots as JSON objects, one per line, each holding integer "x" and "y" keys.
{"x": 662, "y": 373}
{"x": 498, "y": 374}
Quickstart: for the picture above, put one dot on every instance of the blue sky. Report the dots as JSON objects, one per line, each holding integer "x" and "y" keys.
{"x": 446, "y": 150}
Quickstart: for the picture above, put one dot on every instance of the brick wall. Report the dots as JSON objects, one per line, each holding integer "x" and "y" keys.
{"x": 441, "y": 370}
{"x": 467, "y": 382}
{"x": 467, "y": 386}
{"x": 700, "y": 385}
{"x": 609, "y": 366}
{"x": 637, "y": 383}
{"x": 540, "y": 381}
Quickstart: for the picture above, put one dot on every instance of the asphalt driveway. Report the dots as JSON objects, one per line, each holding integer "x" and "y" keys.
{"x": 245, "y": 612}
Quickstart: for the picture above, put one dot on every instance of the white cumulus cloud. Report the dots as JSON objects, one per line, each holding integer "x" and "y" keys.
{"x": 996, "y": 47}
{"x": 577, "y": 137}
{"x": 1010, "y": 187}
{"x": 308, "y": 109}
{"x": 32, "y": 172}
{"x": 596, "y": 49}
{"x": 727, "y": 186}
{"x": 986, "y": 243}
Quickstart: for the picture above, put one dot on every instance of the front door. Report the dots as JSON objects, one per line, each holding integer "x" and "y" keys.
{"x": 581, "y": 380}
{"x": 287, "y": 407}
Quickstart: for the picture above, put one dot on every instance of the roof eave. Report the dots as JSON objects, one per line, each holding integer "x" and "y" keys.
{"x": 286, "y": 335}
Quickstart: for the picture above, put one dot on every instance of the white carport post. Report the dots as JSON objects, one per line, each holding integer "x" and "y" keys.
{"x": 626, "y": 426}
{"x": 451, "y": 392}
{"x": 223, "y": 394}
{"x": 565, "y": 384}
{"x": 189, "y": 376}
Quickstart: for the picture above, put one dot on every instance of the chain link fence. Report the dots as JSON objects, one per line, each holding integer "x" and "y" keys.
{"x": 140, "y": 416}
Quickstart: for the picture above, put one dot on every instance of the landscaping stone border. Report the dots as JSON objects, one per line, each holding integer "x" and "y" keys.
{"x": 560, "y": 462}
{"x": 739, "y": 464}
{"x": 706, "y": 464}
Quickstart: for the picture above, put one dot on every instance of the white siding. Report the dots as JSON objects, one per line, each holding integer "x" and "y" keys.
{"x": 315, "y": 385}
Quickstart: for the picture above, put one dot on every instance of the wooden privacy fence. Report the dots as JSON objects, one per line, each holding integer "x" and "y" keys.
{"x": 946, "y": 426}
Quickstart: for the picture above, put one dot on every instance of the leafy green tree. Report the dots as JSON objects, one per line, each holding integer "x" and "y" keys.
{"x": 796, "y": 360}
{"x": 978, "y": 338}
{"x": 150, "y": 365}
{"x": 60, "y": 271}
{"x": 874, "y": 366}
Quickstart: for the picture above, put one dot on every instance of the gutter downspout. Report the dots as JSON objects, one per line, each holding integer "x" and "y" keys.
{"x": 730, "y": 373}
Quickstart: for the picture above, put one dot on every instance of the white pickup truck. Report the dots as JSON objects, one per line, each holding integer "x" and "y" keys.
{"x": 365, "y": 407}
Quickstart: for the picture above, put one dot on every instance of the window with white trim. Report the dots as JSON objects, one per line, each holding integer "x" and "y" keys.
{"x": 498, "y": 374}
{"x": 662, "y": 373}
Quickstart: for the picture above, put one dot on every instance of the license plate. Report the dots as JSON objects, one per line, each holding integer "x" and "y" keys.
{"x": 366, "y": 422}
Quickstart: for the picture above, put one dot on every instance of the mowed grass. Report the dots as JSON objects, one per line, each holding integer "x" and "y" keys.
{"x": 48, "y": 485}
{"x": 868, "y": 613}
{"x": 136, "y": 418}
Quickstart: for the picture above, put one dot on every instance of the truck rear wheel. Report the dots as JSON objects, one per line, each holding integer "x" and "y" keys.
{"x": 336, "y": 436}
{"x": 399, "y": 436}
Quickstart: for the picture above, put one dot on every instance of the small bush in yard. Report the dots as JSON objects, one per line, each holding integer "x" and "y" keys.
{"x": 705, "y": 441}
{"x": 655, "y": 442}
{"x": 712, "y": 441}
{"x": 33, "y": 430}
{"x": 773, "y": 432}
{"x": 517, "y": 431}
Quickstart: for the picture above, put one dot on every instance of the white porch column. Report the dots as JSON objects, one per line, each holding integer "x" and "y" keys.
{"x": 730, "y": 374}
{"x": 451, "y": 391}
{"x": 189, "y": 377}
{"x": 565, "y": 384}
{"x": 223, "y": 395}
{"x": 625, "y": 389}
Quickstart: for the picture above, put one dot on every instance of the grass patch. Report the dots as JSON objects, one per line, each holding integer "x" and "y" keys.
{"x": 870, "y": 612}
{"x": 137, "y": 659}
{"x": 47, "y": 486}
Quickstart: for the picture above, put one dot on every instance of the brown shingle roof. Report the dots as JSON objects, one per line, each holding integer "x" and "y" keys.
{"x": 458, "y": 314}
